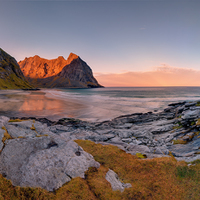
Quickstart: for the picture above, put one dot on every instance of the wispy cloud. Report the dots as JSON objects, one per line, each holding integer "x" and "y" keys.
{"x": 163, "y": 75}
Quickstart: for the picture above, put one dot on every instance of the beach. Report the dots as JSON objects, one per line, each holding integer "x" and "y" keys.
{"x": 93, "y": 105}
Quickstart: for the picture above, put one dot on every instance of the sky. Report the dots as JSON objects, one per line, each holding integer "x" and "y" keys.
{"x": 122, "y": 41}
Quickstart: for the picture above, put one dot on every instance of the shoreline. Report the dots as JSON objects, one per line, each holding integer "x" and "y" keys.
{"x": 31, "y": 145}
{"x": 176, "y": 125}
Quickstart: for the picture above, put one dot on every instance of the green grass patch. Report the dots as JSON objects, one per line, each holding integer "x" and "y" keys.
{"x": 179, "y": 142}
{"x": 15, "y": 120}
{"x": 185, "y": 171}
{"x": 140, "y": 155}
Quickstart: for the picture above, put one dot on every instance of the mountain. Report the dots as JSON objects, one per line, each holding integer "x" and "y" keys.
{"x": 11, "y": 76}
{"x": 59, "y": 73}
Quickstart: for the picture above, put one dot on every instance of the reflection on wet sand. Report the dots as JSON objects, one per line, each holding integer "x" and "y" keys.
{"x": 40, "y": 103}
{"x": 36, "y": 104}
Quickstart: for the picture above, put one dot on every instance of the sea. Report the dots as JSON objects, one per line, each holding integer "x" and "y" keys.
{"x": 94, "y": 105}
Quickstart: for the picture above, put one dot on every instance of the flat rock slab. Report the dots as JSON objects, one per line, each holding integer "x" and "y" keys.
{"x": 1, "y": 137}
{"x": 41, "y": 162}
{"x": 138, "y": 148}
{"x": 116, "y": 184}
{"x": 185, "y": 150}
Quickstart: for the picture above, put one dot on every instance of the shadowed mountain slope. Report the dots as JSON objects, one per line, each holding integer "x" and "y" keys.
{"x": 11, "y": 76}
{"x": 59, "y": 73}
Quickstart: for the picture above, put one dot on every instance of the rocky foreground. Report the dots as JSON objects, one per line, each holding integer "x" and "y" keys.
{"x": 42, "y": 153}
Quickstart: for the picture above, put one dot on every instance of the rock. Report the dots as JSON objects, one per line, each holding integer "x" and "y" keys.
{"x": 1, "y": 137}
{"x": 177, "y": 104}
{"x": 138, "y": 148}
{"x": 116, "y": 184}
{"x": 127, "y": 140}
{"x": 4, "y": 120}
{"x": 16, "y": 131}
{"x": 70, "y": 73}
{"x": 161, "y": 150}
{"x": 16, "y": 152}
{"x": 188, "y": 159}
{"x": 161, "y": 129}
{"x": 135, "y": 141}
{"x": 191, "y": 114}
{"x": 60, "y": 129}
{"x": 190, "y": 104}
{"x": 124, "y": 133}
{"x": 101, "y": 132}
{"x": 41, "y": 162}
{"x": 124, "y": 126}
{"x": 53, "y": 167}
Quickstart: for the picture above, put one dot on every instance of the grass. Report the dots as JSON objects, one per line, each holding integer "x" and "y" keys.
{"x": 198, "y": 122}
{"x": 140, "y": 155}
{"x": 177, "y": 127}
{"x": 151, "y": 179}
{"x": 179, "y": 141}
{"x": 15, "y": 120}
{"x": 33, "y": 127}
{"x": 7, "y": 136}
{"x": 198, "y": 103}
{"x": 159, "y": 178}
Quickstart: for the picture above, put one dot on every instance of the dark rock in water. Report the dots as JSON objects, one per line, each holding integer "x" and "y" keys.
{"x": 59, "y": 73}
{"x": 177, "y": 104}
{"x": 11, "y": 76}
{"x": 190, "y": 104}
{"x": 34, "y": 89}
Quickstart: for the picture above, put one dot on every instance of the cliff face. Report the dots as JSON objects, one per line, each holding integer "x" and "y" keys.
{"x": 60, "y": 73}
{"x": 11, "y": 76}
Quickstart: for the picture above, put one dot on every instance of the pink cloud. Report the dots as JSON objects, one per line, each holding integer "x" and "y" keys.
{"x": 160, "y": 76}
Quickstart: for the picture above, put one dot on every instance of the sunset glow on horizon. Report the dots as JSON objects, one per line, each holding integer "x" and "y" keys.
{"x": 123, "y": 42}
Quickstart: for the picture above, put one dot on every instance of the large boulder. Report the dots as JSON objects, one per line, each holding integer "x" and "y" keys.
{"x": 42, "y": 162}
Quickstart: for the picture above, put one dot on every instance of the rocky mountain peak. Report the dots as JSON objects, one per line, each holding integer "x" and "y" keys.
{"x": 71, "y": 57}
{"x": 73, "y": 72}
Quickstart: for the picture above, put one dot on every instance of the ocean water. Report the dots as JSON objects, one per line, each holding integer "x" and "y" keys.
{"x": 97, "y": 104}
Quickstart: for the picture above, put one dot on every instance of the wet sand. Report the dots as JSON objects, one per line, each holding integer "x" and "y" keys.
{"x": 16, "y": 103}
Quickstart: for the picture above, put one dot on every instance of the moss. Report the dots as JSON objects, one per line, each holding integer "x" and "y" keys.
{"x": 140, "y": 155}
{"x": 33, "y": 127}
{"x": 3, "y": 63}
{"x": 192, "y": 123}
{"x": 15, "y": 120}
{"x": 10, "y": 192}
{"x": 7, "y": 136}
{"x": 179, "y": 142}
{"x": 198, "y": 122}
{"x": 177, "y": 127}
{"x": 185, "y": 171}
{"x": 198, "y": 103}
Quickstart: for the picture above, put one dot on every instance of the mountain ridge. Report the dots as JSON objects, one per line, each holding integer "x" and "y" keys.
{"x": 11, "y": 76}
{"x": 61, "y": 73}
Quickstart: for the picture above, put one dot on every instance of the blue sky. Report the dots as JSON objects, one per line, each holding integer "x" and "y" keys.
{"x": 111, "y": 36}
